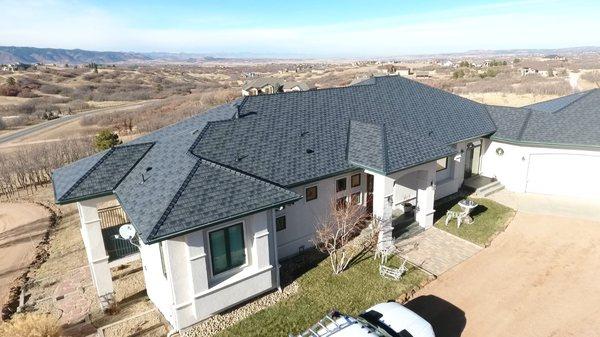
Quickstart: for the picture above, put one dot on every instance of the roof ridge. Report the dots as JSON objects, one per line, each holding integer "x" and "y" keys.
{"x": 135, "y": 164}
{"x": 384, "y": 141}
{"x": 88, "y": 172}
{"x": 102, "y": 159}
{"x": 525, "y": 123}
{"x": 585, "y": 94}
{"x": 174, "y": 200}
{"x": 189, "y": 177}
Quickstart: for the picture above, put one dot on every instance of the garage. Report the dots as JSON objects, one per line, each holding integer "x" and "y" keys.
{"x": 564, "y": 174}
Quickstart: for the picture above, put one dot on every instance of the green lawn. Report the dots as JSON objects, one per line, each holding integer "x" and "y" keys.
{"x": 351, "y": 292}
{"x": 489, "y": 218}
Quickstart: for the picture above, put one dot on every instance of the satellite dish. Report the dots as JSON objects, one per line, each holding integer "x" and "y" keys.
{"x": 127, "y": 232}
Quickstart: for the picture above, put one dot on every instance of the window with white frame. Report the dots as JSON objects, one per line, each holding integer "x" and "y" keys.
{"x": 227, "y": 248}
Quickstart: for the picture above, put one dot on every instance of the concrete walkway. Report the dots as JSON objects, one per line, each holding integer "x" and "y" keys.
{"x": 581, "y": 208}
{"x": 436, "y": 251}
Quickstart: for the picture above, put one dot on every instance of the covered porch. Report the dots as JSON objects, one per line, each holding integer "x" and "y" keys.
{"x": 403, "y": 202}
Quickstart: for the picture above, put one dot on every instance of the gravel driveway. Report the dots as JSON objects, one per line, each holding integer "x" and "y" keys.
{"x": 539, "y": 278}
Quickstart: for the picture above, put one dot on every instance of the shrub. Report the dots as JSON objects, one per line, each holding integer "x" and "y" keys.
{"x": 9, "y": 90}
{"x": 106, "y": 139}
{"x": 31, "y": 325}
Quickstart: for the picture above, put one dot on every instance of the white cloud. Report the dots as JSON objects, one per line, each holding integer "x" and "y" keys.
{"x": 522, "y": 24}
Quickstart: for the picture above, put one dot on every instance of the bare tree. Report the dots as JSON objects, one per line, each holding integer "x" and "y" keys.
{"x": 592, "y": 76}
{"x": 339, "y": 234}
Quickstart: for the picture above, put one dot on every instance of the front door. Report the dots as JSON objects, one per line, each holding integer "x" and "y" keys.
{"x": 472, "y": 159}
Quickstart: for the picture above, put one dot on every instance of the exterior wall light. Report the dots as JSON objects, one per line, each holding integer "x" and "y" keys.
{"x": 500, "y": 151}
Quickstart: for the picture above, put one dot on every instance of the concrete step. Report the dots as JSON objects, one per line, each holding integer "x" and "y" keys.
{"x": 489, "y": 189}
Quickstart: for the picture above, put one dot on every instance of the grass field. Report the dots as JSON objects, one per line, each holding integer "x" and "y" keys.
{"x": 489, "y": 218}
{"x": 351, "y": 292}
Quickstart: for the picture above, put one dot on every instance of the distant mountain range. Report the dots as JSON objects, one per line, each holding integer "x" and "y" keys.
{"x": 79, "y": 56}
{"x": 61, "y": 56}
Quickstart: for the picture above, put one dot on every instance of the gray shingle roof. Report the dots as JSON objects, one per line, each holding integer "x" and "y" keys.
{"x": 226, "y": 194}
{"x": 239, "y": 158}
{"x": 272, "y": 140}
{"x": 106, "y": 173}
{"x": 261, "y": 82}
{"x": 572, "y": 120}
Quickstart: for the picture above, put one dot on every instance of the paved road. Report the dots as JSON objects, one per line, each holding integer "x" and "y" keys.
{"x": 38, "y": 128}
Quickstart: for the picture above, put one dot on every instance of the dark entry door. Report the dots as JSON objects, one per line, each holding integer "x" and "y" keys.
{"x": 472, "y": 159}
{"x": 369, "y": 194}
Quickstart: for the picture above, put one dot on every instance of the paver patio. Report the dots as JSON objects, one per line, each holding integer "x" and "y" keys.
{"x": 436, "y": 251}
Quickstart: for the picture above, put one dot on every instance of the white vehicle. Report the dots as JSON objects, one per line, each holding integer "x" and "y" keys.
{"x": 382, "y": 320}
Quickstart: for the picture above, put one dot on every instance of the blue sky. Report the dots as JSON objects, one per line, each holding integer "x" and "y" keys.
{"x": 310, "y": 28}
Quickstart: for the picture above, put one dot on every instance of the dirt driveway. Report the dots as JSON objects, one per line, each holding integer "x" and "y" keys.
{"x": 21, "y": 228}
{"x": 539, "y": 278}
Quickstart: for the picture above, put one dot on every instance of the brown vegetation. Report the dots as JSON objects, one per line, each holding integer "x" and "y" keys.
{"x": 161, "y": 113}
{"x": 30, "y": 166}
{"x": 336, "y": 234}
{"x": 31, "y": 325}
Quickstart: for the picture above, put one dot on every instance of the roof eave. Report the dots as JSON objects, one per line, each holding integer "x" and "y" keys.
{"x": 153, "y": 240}
{"x": 546, "y": 144}
{"x": 83, "y": 198}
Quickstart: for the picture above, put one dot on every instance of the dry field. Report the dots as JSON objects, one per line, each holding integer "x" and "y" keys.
{"x": 22, "y": 225}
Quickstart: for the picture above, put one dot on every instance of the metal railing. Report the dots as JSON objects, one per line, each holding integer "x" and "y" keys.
{"x": 111, "y": 219}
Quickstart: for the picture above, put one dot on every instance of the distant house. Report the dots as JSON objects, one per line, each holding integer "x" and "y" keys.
{"x": 295, "y": 86}
{"x": 263, "y": 85}
{"x": 424, "y": 73}
{"x": 16, "y": 66}
{"x": 546, "y": 73}
{"x": 270, "y": 85}
{"x": 555, "y": 57}
{"x": 526, "y": 71}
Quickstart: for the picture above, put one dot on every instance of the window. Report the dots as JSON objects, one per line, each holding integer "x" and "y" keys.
{"x": 355, "y": 198}
{"x": 311, "y": 193}
{"x": 355, "y": 180}
{"x": 162, "y": 259}
{"x": 341, "y": 203}
{"x": 227, "y": 249}
{"x": 340, "y": 185}
{"x": 280, "y": 223}
{"x": 441, "y": 164}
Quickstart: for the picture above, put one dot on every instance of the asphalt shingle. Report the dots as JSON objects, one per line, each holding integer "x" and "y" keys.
{"x": 570, "y": 121}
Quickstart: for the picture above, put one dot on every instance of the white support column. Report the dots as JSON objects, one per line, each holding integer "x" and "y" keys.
{"x": 260, "y": 249}
{"x": 425, "y": 199}
{"x": 383, "y": 192}
{"x": 95, "y": 251}
{"x": 198, "y": 262}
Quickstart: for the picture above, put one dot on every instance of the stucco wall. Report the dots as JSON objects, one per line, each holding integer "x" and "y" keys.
{"x": 513, "y": 167}
{"x": 303, "y": 215}
{"x": 451, "y": 179}
{"x": 190, "y": 292}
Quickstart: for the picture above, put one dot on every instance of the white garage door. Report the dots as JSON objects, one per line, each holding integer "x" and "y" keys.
{"x": 564, "y": 174}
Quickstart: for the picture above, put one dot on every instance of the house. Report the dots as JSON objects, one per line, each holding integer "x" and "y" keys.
{"x": 295, "y": 86}
{"x": 218, "y": 199}
{"x": 263, "y": 85}
{"x": 526, "y": 71}
{"x": 270, "y": 85}
{"x": 424, "y": 73}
